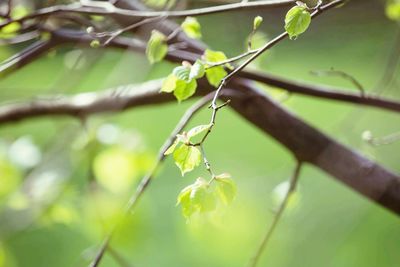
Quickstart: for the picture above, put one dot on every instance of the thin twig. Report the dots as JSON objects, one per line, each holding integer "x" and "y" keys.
{"x": 147, "y": 178}
{"x": 343, "y": 75}
{"x": 292, "y": 187}
{"x": 118, "y": 257}
{"x": 115, "y": 34}
{"x": 26, "y": 55}
{"x": 104, "y": 9}
{"x": 381, "y": 141}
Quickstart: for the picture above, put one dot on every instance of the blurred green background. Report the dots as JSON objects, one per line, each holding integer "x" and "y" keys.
{"x": 64, "y": 183}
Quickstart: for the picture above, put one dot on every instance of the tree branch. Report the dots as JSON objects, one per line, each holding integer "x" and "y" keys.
{"x": 292, "y": 187}
{"x": 145, "y": 182}
{"x": 105, "y": 9}
{"x": 291, "y": 86}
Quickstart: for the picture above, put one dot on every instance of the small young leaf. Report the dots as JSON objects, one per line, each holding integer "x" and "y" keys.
{"x": 215, "y": 75}
{"x": 182, "y": 73}
{"x": 169, "y": 84}
{"x": 157, "y": 47}
{"x": 185, "y": 201}
{"x": 226, "y": 188}
{"x": 184, "y": 90}
{"x": 257, "y": 22}
{"x": 197, "y": 70}
{"x": 297, "y": 21}
{"x": 393, "y": 10}
{"x": 197, "y": 197}
{"x": 198, "y": 130}
{"x": 10, "y": 30}
{"x": 180, "y": 138}
{"x": 202, "y": 198}
{"x": 186, "y": 158}
{"x": 171, "y": 149}
{"x": 214, "y": 56}
{"x": 191, "y": 27}
{"x": 95, "y": 43}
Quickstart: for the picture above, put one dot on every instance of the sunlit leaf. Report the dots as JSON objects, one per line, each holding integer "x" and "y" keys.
{"x": 182, "y": 73}
{"x": 197, "y": 197}
{"x": 215, "y": 74}
{"x": 257, "y": 22}
{"x": 214, "y": 56}
{"x": 198, "y": 130}
{"x": 191, "y": 27}
{"x": 184, "y": 90}
{"x": 226, "y": 188}
{"x": 297, "y": 21}
{"x": 169, "y": 84}
{"x": 197, "y": 70}
{"x": 171, "y": 149}
{"x": 157, "y": 47}
{"x": 95, "y": 43}
{"x": 187, "y": 158}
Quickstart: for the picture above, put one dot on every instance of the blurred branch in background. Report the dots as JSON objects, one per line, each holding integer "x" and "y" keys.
{"x": 304, "y": 142}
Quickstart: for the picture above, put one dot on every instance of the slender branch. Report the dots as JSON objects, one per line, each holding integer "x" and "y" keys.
{"x": 292, "y": 187}
{"x": 118, "y": 258}
{"x": 106, "y": 9}
{"x": 380, "y": 141}
{"x": 145, "y": 182}
{"x": 230, "y": 60}
{"x": 115, "y": 34}
{"x": 343, "y": 75}
{"x": 321, "y": 91}
{"x": 26, "y": 56}
{"x": 267, "y": 46}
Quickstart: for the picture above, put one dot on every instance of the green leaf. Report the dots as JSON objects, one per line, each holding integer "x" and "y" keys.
{"x": 202, "y": 198}
{"x": 214, "y": 56}
{"x": 191, "y": 27}
{"x": 215, "y": 75}
{"x": 186, "y": 158}
{"x": 10, "y": 30}
{"x": 297, "y": 21}
{"x": 197, "y": 197}
{"x": 171, "y": 149}
{"x": 95, "y": 43}
{"x": 197, "y": 70}
{"x": 182, "y": 73}
{"x": 393, "y": 10}
{"x": 226, "y": 188}
{"x": 198, "y": 130}
{"x": 257, "y": 22}
{"x": 184, "y": 90}
{"x": 180, "y": 138}
{"x": 157, "y": 47}
{"x": 169, "y": 84}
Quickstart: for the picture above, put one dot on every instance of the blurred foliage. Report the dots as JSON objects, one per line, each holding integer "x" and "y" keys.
{"x": 63, "y": 184}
